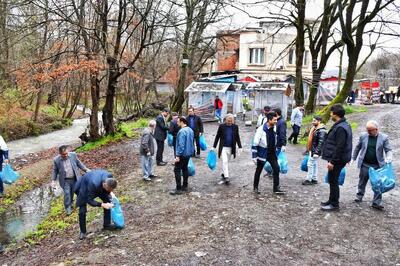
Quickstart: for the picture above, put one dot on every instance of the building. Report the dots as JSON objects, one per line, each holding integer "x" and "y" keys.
{"x": 266, "y": 52}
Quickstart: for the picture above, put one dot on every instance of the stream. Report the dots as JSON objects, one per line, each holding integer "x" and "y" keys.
{"x": 34, "y": 205}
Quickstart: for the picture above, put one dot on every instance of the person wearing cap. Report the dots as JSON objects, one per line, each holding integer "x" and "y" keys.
{"x": 184, "y": 150}
{"x": 195, "y": 123}
{"x": 315, "y": 143}
{"x": 160, "y": 134}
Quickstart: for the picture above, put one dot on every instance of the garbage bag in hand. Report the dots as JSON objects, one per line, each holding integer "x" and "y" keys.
{"x": 8, "y": 175}
{"x": 283, "y": 162}
{"x": 211, "y": 160}
{"x": 383, "y": 179}
{"x": 304, "y": 163}
{"x": 170, "y": 139}
{"x": 203, "y": 143}
{"x": 268, "y": 168}
{"x": 117, "y": 215}
{"x": 191, "y": 169}
{"x": 342, "y": 177}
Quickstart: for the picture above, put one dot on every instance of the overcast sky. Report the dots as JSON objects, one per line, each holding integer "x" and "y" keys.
{"x": 238, "y": 19}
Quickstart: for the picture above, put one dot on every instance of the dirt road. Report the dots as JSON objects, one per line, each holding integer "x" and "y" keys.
{"x": 229, "y": 225}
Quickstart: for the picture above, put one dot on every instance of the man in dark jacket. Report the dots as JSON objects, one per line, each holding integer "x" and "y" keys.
{"x": 228, "y": 137}
{"x": 280, "y": 131}
{"x": 195, "y": 123}
{"x": 174, "y": 129}
{"x": 95, "y": 184}
{"x": 337, "y": 152}
{"x": 160, "y": 134}
{"x": 315, "y": 143}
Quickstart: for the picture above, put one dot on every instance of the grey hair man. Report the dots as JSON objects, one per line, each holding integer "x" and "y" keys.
{"x": 147, "y": 151}
{"x": 373, "y": 150}
{"x": 66, "y": 169}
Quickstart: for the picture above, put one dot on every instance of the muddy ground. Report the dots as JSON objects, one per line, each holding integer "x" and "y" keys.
{"x": 229, "y": 225}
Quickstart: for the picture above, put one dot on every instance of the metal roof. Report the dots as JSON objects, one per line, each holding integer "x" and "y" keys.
{"x": 208, "y": 86}
{"x": 277, "y": 86}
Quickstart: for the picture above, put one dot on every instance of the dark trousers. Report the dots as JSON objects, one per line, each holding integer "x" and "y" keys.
{"x": 272, "y": 159}
{"x": 174, "y": 145}
{"x": 333, "y": 179}
{"x": 181, "y": 168}
{"x": 362, "y": 183}
{"x": 295, "y": 133}
{"x": 68, "y": 188}
{"x": 160, "y": 150}
{"x": 1, "y": 180}
{"x": 197, "y": 142}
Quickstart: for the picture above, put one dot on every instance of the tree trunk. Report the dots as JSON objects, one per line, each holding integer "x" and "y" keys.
{"x": 37, "y": 107}
{"x": 299, "y": 92}
{"x": 179, "y": 98}
{"x": 312, "y": 98}
{"x": 348, "y": 84}
{"x": 108, "y": 116}
{"x": 94, "y": 114}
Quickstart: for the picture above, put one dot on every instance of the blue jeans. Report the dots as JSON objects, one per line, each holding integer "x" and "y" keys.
{"x": 69, "y": 192}
{"x": 147, "y": 165}
{"x": 218, "y": 114}
{"x": 312, "y": 169}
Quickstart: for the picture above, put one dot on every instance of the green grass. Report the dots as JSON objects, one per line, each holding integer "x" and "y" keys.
{"x": 350, "y": 109}
{"x": 126, "y": 129}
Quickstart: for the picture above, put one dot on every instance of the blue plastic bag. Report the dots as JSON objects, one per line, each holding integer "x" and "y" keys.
{"x": 283, "y": 162}
{"x": 192, "y": 170}
{"x": 203, "y": 143}
{"x": 117, "y": 215}
{"x": 170, "y": 139}
{"x": 268, "y": 168}
{"x": 383, "y": 179}
{"x": 211, "y": 160}
{"x": 8, "y": 175}
{"x": 304, "y": 163}
{"x": 342, "y": 177}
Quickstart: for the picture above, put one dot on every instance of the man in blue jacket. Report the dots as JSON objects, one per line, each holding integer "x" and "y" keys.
{"x": 184, "y": 150}
{"x": 337, "y": 152}
{"x": 95, "y": 184}
{"x": 3, "y": 159}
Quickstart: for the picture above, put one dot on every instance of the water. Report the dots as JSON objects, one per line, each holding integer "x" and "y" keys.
{"x": 26, "y": 214}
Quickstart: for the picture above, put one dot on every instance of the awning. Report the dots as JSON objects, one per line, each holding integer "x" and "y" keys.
{"x": 208, "y": 87}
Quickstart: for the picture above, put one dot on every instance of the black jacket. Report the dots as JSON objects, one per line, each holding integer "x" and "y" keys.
{"x": 198, "y": 125}
{"x": 90, "y": 186}
{"x": 160, "y": 132}
{"x": 318, "y": 140}
{"x": 221, "y": 138}
{"x": 281, "y": 133}
{"x": 173, "y": 128}
{"x": 338, "y": 143}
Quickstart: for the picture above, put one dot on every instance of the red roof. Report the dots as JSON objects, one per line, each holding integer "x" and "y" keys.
{"x": 368, "y": 84}
{"x": 248, "y": 79}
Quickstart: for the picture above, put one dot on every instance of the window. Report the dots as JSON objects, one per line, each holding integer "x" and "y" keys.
{"x": 256, "y": 56}
{"x": 305, "y": 58}
{"x": 291, "y": 56}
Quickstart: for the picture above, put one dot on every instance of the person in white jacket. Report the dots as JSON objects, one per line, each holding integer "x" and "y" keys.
{"x": 262, "y": 118}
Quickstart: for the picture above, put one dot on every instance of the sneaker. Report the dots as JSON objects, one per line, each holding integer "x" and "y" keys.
{"x": 185, "y": 189}
{"x": 329, "y": 208}
{"x": 307, "y": 183}
{"x": 110, "y": 227}
{"x": 279, "y": 191}
{"x": 221, "y": 182}
{"x": 175, "y": 192}
{"x": 377, "y": 207}
{"x": 255, "y": 191}
{"x": 227, "y": 181}
{"x": 153, "y": 176}
{"x": 358, "y": 199}
{"x": 161, "y": 163}
{"x": 326, "y": 203}
{"x": 82, "y": 236}
{"x": 146, "y": 178}
{"x": 314, "y": 181}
